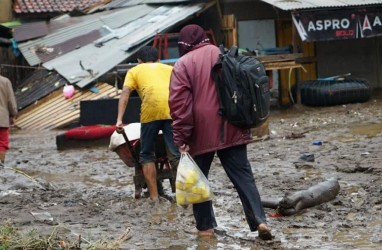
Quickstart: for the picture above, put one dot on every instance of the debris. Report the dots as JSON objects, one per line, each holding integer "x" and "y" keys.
{"x": 307, "y": 157}
{"x": 292, "y": 203}
{"x": 125, "y": 236}
{"x": 302, "y": 165}
{"x": 317, "y": 143}
{"x": 296, "y": 135}
{"x": 8, "y": 192}
{"x": 68, "y": 91}
{"x": 44, "y": 216}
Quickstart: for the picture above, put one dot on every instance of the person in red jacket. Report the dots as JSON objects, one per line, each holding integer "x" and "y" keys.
{"x": 200, "y": 130}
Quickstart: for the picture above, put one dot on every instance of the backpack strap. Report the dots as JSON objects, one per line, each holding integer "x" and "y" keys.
{"x": 234, "y": 51}
{"x": 216, "y": 75}
{"x": 222, "y": 49}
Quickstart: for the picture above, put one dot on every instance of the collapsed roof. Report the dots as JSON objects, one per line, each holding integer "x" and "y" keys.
{"x": 81, "y": 49}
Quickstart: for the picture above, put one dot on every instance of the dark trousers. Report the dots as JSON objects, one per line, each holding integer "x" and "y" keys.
{"x": 149, "y": 133}
{"x": 236, "y": 165}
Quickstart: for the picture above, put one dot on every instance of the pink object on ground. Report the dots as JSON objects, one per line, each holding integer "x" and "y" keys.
{"x": 68, "y": 91}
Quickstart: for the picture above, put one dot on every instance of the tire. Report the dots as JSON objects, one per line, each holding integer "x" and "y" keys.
{"x": 334, "y": 92}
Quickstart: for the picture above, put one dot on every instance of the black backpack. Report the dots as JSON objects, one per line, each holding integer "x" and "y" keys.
{"x": 243, "y": 89}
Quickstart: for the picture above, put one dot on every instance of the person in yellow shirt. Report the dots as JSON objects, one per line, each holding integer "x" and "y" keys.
{"x": 151, "y": 80}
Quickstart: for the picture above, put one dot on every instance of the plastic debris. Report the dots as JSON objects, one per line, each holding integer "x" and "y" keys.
{"x": 318, "y": 143}
{"x": 307, "y": 157}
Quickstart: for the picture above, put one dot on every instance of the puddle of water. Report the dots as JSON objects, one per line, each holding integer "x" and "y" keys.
{"x": 358, "y": 239}
{"x": 54, "y": 177}
{"x": 60, "y": 178}
{"x": 344, "y": 138}
{"x": 370, "y": 130}
{"x": 347, "y": 239}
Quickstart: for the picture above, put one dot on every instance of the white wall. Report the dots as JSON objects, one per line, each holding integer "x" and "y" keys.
{"x": 257, "y": 34}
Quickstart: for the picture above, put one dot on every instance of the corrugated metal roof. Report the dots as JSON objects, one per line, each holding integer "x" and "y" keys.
{"x": 38, "y": 29}
{"x": 38, "y": 85}
{"x": 97, "y": 60}
{"x": 112, "y": 19}
{"x": 308, "y": 4}
{"x": 118, "y": 4}
{"x": 126, "y": 3}
{"x": 46, "y": 54}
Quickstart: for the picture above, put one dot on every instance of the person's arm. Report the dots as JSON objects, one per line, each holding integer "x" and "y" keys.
{"x": 181, "y": 106}
{"x": 122, "y": 104}
{"x": 129, "y": 85}
{"x": 12, "y": 105}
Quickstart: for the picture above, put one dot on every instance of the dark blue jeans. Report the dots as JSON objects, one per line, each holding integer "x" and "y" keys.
{"x": 236, "y": 165}
{"x": 149, "y": 134}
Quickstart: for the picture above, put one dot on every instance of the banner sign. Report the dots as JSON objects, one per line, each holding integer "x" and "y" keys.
{"x": 339, "y": 24}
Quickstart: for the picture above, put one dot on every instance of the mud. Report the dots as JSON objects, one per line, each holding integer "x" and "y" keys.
{"x": 90, "y": 192}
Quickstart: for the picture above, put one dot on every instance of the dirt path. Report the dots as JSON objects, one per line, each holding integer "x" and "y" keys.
{"x": 89, "y": 192}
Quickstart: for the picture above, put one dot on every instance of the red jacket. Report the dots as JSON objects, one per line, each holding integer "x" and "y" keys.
{"x": 194, "y": 105}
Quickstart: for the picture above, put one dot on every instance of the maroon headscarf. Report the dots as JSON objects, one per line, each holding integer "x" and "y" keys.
{"x": 191, "y": 36}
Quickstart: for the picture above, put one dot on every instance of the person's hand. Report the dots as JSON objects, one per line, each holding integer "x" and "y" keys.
{"x": 184, "y": 148}
{"x": 12, "y": 121}
{"x": 119, "y": 127}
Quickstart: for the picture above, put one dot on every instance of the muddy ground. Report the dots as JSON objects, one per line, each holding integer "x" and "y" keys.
{"x": 90, "y": 192}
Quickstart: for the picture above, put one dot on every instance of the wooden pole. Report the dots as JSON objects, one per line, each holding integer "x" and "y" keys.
{"x": 295, "y": 50}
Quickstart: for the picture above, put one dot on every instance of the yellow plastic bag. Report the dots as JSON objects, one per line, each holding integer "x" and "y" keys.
{"x": 191, "y": 184}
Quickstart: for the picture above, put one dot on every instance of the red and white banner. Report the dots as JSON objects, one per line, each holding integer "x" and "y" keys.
{"x": 338, "y": 24}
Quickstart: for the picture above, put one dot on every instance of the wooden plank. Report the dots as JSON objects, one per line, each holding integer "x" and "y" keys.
{"x": 67, "y": 116}
{"x": 282, "y": 65}
{"x": 64, "y": 120}
{"x": 229, "y": 29}
{"x": 55, "y": 105}
{"x": 26, "y": 116}
{"x": 42, "y": 101}
{"x": 279, "y": 58}
{"x": 64, "y": 111}
{"x": 42, "y": 116}
{"x": 58, "y": 100}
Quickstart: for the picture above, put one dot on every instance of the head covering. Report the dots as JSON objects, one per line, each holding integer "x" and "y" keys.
{"x": 191, "y": 36}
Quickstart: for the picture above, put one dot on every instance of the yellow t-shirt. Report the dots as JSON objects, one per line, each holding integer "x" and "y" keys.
{"x": 151, "y": 81}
